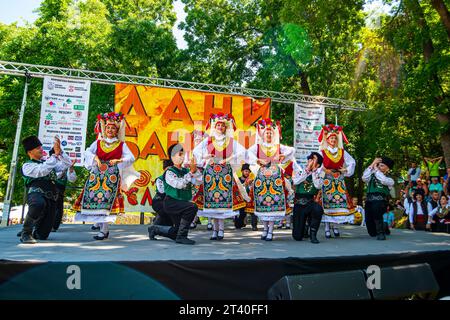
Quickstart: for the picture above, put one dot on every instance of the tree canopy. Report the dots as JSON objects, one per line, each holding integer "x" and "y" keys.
{"x": 398, "y": 65}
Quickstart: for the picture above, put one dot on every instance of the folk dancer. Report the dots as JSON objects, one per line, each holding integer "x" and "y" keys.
{"x": 307, "y": 185}
{"x": 270, "y": 189}
{"x": 337, "y": 164}
{"x": 379, "y": 186}
{"x": 221, "y": 195}
{"x": 110, "y": 165}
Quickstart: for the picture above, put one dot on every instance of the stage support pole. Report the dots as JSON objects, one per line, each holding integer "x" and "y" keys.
{"x": 12, "y": 170}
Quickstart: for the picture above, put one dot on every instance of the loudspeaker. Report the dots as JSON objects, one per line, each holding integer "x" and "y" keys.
{"x": 406, "y": 282}
{"x": 346, "y": 285}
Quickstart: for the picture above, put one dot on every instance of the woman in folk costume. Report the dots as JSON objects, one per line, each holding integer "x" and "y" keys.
{"x": 221, "y": 195}
{"x": 110, "y": 163}
{"x": 270, "y": 188}
{"x": 337, "y": 164}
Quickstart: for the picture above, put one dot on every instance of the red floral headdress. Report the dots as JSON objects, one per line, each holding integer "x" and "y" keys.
{"x": 330, "y": 130}
{"x": 226, "y": 118}
{"x": 103, "y": 119}
{"x": 263, "y": 124}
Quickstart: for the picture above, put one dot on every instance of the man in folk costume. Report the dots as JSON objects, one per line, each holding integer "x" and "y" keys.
{"x": 162, "y": 224}
{"x": 379, "y": 186}
{"x": 221, "y": 195}
{"x": 269, "y": 186}
{"x": 178, "y": 182}
{"x": 307, "y": 185}
{"x": 63, "y": 177}
{"x": 40, "y": 174}
{"x": 196, "y": 138}
{"x": 246, "y": 180}
{"x": 110, "y": 165}
{"x": 337, "y": 164}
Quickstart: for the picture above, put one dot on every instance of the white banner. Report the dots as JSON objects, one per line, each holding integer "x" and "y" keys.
{"x": 64, "y": 113}
{"x": 308, "y": 122}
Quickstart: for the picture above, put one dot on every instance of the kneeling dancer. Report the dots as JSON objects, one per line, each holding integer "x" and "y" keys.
{"x": 307, "y": 185}
{"x": 177, "y": 204}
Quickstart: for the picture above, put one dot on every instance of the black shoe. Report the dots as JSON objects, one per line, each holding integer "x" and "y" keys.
{"x": 94, "y": 228}
{"x": 209, "y": 227}
{"x": 336, "y": 232}
{"x": 19, "y": 234}
{"x": 183, "y": 240}
{"x": 254, "y": 228}
{"x": 264, "y": 237}
{"x": 28, "y": 239}
{"x": 269, "y": 238}
{"x": 152, "y": 232}
{"x": 381, "y": 236}
{"x": 314, "y": 237}
{"x": 54, "y": 230}
{"x": 102, "y": 236}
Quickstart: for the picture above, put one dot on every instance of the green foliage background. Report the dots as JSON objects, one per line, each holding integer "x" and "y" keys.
{"x": 317, "y": 47}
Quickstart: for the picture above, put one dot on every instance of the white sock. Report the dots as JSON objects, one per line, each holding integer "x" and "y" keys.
{"x": 221, "y": 224}
{"x": 266, "y": 227}
{"x": 271, "y": 224}
{"x": 327, "y": 226}
{"x": 288, "y": 221}
{"x": 104, "y": 227}
{"x": 209, "y": 220}
{"x": 214, "y": 235}
{"x": 220, "y": 233}
{"x": 216, "y": 225}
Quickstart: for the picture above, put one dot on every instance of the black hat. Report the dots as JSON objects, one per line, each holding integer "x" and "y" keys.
{"x": 167, "y": 163}
{"x": 387, "y": 161}
{"x": 419, "y": 191}
{"x": 245, "y": 166}
{"x": 174, "y": 149}
{"x": 318, "y": 155}
{"x": 31, "y": 142}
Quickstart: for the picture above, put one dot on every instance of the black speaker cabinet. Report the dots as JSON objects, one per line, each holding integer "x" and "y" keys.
{"x": 346, "y": 285}
{"x": 405, "y": 282}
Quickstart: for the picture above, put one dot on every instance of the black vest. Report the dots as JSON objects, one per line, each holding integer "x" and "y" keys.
{"x": 424, "y": 210}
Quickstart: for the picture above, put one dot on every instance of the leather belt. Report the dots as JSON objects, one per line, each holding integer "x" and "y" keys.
{"x": 47, "y": 194}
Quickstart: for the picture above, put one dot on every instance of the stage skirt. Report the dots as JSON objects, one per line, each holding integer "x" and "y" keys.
{"x": 101, "y": 199}
{"x": 334, "y": 199}
{"x": 269, "y": 194}
{"x": 219, "y": 196}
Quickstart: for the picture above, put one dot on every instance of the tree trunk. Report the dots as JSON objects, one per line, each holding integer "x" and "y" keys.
{"x": 441, "y": 8}
{"x": 304, "y": 83}
{"x": 444, "y": 119}
{"x": 413, "y": 6}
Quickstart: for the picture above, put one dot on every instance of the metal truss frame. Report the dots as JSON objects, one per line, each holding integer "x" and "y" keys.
{"x": 39, "y": 71}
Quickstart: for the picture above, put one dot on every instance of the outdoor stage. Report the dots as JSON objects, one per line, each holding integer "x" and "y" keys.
{"x": 129, "y": 266}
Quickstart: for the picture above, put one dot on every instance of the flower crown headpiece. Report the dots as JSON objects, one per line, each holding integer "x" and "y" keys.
{"x": 227, "y": 118}
{"x": 111, "y": 116}
{"x": 263, "y": 124}
{"x": 331, "y": 129}
{"x": 104, "y": 119}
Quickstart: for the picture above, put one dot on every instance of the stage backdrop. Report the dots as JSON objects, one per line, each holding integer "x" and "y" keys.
{"x": 158, "y": 117}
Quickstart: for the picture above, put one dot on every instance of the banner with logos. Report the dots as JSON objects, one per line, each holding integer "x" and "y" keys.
{"x": 157, "y": 117}
{"x": 308, "y": 122}
{"x": 64, "y": 113}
